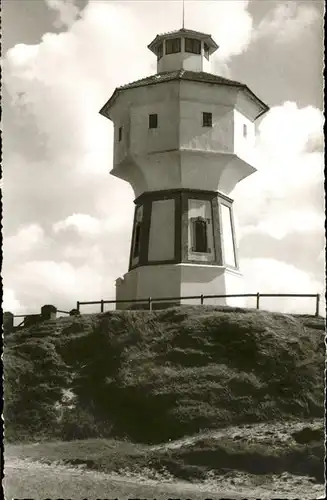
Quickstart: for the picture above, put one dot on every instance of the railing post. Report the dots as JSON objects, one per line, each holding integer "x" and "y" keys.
{"x": 77, "y": 305}
{"x": 317, "y": 304}
{"x": 150, "y": 303}
{"x": 101, "y": 306}
{"x": 258, "y": 299}
{"x": 202, "y": 299}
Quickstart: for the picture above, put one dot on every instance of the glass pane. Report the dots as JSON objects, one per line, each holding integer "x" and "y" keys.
{"x": 137, "y": 240}
{"x": 228, "y": 240}
{"x": 207, "y": 119}
{"x": 153, "y": 121}
{"x": 193, "y": 46}
{"x": 173, "y": 46}
{"x": 201, "y": 239}
{"x": 137, "y": 235}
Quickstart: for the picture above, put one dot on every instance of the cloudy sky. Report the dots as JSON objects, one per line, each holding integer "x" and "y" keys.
{"x": 67, "y": 222}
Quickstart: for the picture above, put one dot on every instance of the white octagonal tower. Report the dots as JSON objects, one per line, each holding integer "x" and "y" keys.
{"x": 183, "y": 139}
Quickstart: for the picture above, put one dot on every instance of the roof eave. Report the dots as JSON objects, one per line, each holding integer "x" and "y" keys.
{"x": 106, "y": 107}
{"x": 265, "y": 110}
{"x": 153, "y": 44}
{"x": 264, "y": 107}
{"x": 211, "y": 43}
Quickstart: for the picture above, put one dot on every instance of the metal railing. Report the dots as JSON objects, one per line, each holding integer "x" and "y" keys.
{"x": 150, "y": 300}
{"x": 29, "y": 319}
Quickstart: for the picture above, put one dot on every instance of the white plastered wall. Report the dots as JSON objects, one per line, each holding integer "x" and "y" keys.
{"x": 175, "y": 280}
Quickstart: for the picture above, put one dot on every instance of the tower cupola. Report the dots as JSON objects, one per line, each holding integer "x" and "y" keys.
{"x": 183, "y": 49}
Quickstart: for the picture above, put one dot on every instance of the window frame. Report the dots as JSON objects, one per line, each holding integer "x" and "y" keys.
{"x": 206, "y": 119}
{"x": 169, "y": 44}
{"x": 153, "y": 124}
{"x": 193, "y": 42}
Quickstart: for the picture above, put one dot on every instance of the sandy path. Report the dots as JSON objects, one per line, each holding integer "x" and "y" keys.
{"x": 25, "y": 479}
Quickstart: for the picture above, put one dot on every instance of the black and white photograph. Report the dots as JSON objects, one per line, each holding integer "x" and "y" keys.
{"x": 163, "y": 244}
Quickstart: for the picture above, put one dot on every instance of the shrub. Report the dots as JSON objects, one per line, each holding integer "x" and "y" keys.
{"x": 79, "y": 423}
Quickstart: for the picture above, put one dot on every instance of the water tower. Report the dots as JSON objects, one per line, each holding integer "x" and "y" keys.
{"x": 183, "y": 139}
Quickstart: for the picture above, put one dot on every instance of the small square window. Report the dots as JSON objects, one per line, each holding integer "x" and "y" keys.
{"x": 245, "y": 131}
{"x": 120, "y": 134}
{"x": 207, "y": 120}
{"x": 153, "y": 121}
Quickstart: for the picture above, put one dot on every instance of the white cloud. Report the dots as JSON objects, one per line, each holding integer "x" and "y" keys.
{"x": 280, "y": 210}
{"x": 29, "y": 241}
{"x": 287, "y": 21}
{"x": 25, "y": 240}
{"x": 280, "y": 224}
{"x": 10, "y": 302}
{"x": 58, "y": 283}
{"x": 86, "y": 225}
{"x": 286, "y": 194}
{"x": 287, "y": 129}
{"x": 66, "y": 9}
{"x": 228, "y": 22}
{"x": 275, "y": 277}
{"x": 84, "y": 254}
{"x": 83, "y": 223}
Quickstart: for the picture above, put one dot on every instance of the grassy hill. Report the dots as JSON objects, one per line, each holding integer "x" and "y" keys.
{"x": 229, "y": 398}
{"x": 154, "y": 376}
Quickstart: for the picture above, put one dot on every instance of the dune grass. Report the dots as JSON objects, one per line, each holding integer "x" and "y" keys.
{"x": 154, "y": 376}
